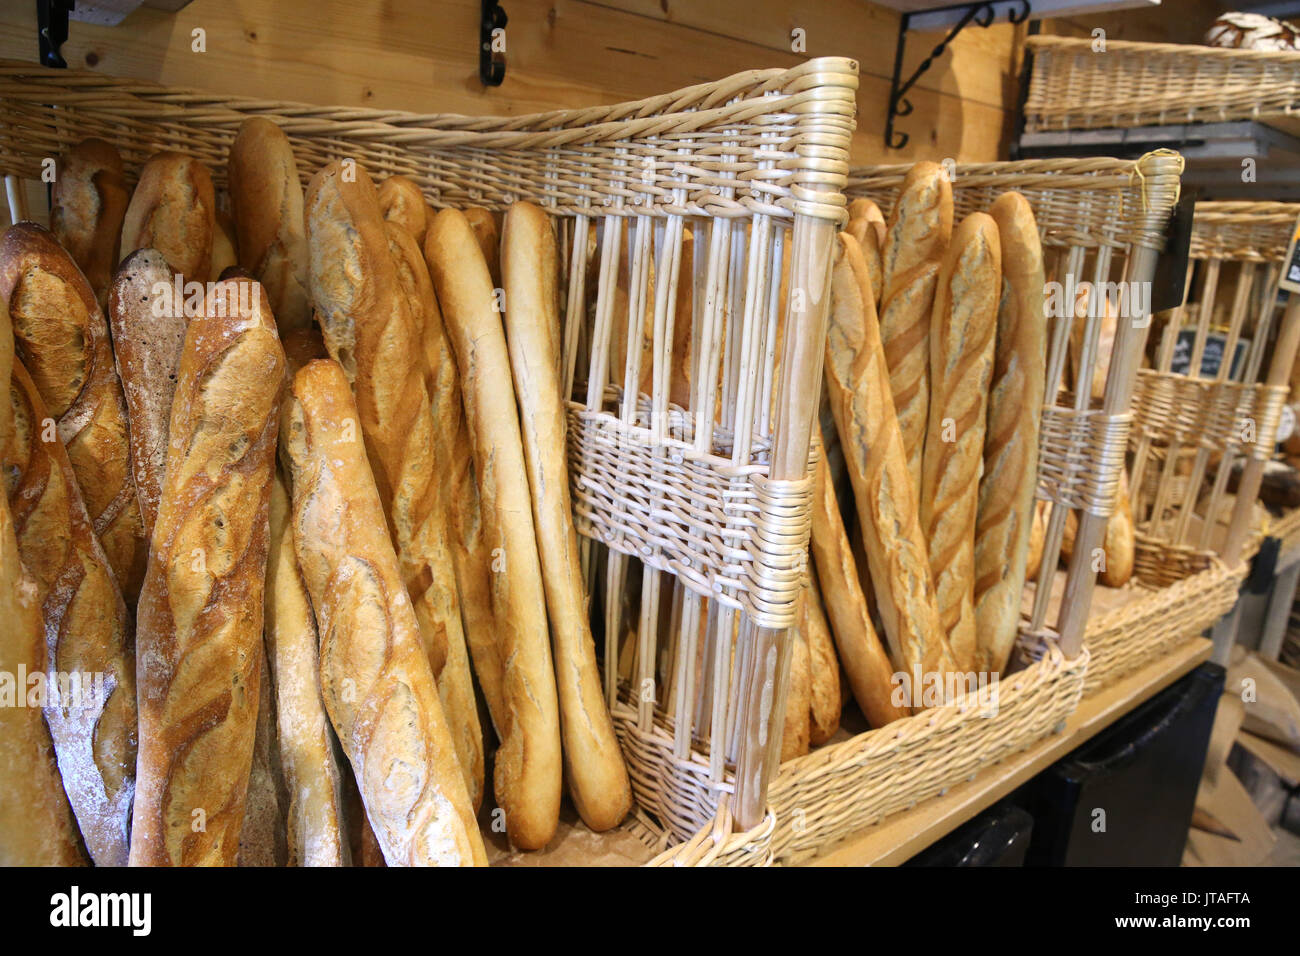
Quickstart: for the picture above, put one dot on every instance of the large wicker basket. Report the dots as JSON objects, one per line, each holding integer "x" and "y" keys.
{"x": 712, "y": 514}
{"x": 1080, "y": 84}
{"x": 1105, "y": 216}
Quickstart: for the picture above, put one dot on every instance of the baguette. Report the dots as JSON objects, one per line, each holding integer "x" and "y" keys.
{"x": 824, "y": 698}
{"x": 173, "y": 210}
{"x": 864, "y": 210}
{"x": 224, "y": 248}
{"x": 487, "y": 233}
{"x": 528, "y": 766}
{"x": 403, "y": 205}
{"x": 375, "y": 678}
{"x": 62, "y": 338}
{"x": 36, "y": 823}
{"x": 877, "y": 465}
{"x": 593, "y": 762}
{"x": 1118, "y": 546}
{"x": 199, "y": 631}
{"x": 266, "y": 199}
{"x": 917, "y": 235}
{"x": 372, "y": 294}
{"x": 867, "y": 666}
{"x": 87, "y": 205}
{"x": 148, "y": 339}
{"x": 962, "y": 331}
{"x": 1004, "y": 520}
{"x": 315, "y": 810}
{"x": 93, "y": 726}
{"x": 869, "y": 239}
{"x": 1037, "y": 532}
{"x": 798, "y": 700}
{"x": 263, "y": 837}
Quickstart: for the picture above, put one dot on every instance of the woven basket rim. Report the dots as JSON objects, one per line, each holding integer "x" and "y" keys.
{"x": 1282, "y": 57}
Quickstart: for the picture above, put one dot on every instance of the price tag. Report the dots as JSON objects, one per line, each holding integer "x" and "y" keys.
{"x": 1290, "y": 280}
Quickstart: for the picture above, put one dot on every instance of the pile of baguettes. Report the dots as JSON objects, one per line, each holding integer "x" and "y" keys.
{"x": 935, "y": 378}
{"x": 252, "y": 613}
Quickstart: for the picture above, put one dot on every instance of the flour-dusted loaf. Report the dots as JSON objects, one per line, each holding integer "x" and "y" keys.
{"x": 962, "y": 329}
{"x": 858, "y": 385}
{"x": 92, "y": 723}
{"x": 528, "y": 763}
{"x": 917, "y": 235}
{"x": 173, "y": 210}
{"x": 87, "y": 204}
{"x": 199, "y": 627}
{"x": 148, "y": 336}
{"x": 375, "y": 677}
{"x": 593, "y": 761}
{"x": 1004, "y": 521}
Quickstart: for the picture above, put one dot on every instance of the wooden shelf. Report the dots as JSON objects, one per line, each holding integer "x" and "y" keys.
{"x": 903, "y": 835}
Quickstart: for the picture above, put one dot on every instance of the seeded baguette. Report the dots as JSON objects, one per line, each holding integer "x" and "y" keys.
{"x": 877, "y": 465}
{"x": 1004, "y": 521}
{"x": 375, "y": 677}
{"x": 87, "y": 205}
{"x": 173, "y": 209}
{"x": 962, "y": 330}
{"x": 199, "y": 635}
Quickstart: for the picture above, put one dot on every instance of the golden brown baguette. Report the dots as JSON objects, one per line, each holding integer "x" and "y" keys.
{"x": 199, "y": 629}
{"x": 372, "y": 294}
{"x": 173, "y": 210}
{"x": 867, "y": 666}
{"x": 868, "y": 238}
{"x": 865, "y": 210}
{"x": 917, "y": 235}
{"x": 315, "y": 811}
{"x": 824, "y": 698}
{"x": 1037, "y": 532}
{"x": 1118, "y": 547}
{"x": 1004, "y": 521}
{"x": 593, "y": 762}
{"x": 798, "y": 700}
{"x": 877, "y": 466}
{"x": 92, "y": 724}
{"x": 36, "y": 823}
{"x": 87, "y": 205}
{"x": 403, "y": 205}
{"x": 263, "y": 837}
{"x": 528, "y": 767}
{"x": 375, "y": 677}
{"x": 962, "y": 330}
{"x": 487, "y": 233}
{"x": 62, "y": 339}
{"x": 225, "y": 254}
{"x": 266, "y": 200}
{"x": 148, "y": 335}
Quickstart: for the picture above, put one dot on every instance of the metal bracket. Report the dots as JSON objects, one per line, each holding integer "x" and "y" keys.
{"x": 52, "y": 30}
{"x": 981, "y": 14}
{"x": 491, "y": 66}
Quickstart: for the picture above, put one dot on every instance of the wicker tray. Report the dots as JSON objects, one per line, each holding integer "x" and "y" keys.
{"x": 1071, "y": 86}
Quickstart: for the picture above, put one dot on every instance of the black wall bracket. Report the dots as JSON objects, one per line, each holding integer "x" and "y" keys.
{"x": 491, "y": 64}
{"x": 52, "y": 30}
{"x": 981, "y": 14}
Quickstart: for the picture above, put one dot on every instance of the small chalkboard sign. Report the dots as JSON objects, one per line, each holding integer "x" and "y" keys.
{"x": 1211, "y": 356}
{"x": 1290, "y": 280}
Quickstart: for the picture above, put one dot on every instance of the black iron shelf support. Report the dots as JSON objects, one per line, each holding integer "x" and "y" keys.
{"x": 52, "y": 30}
{"x": 981, "y": 14}
{"x": 491, "y": 66}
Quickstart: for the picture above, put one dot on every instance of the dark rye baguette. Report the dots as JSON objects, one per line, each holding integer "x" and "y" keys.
{"x": 858, "y": 387}
{"x": 375, "y": 678}
{"x": 87, "y": 205}
{"x": 62, "y": 338}
{"x": 148, "y": 335}
{"x": 173, "y": 210}
{"x": 199, "y": 625}
{"x": 1004, "y": 521}
{"x": 962, "y": 329}
{"x": 85, "y": 630}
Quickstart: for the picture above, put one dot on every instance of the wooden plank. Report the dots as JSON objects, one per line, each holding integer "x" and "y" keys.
{"x": 903, "y": 835}
{"x": 419, "y": 56}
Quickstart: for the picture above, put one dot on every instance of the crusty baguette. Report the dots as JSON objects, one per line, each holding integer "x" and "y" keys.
{"x": 918, "y": 232}
{"x": 225, "y": 254}
{"x": 87, "y": 205}
{"x": 593, "y": 762}
{"x": 375, "y": 677}
{"x": 266, "y": 200}
{"x": 486, "y": 226}
{"x": 962, "y": 330}
{"x": 403, "y": 205}
{"x": 263, "y": 838}
{"x": 824, "y": 698}
{"x": 1004, "y": 521}
{"x": 315, "y": 811}
{"x": 62, "y": 339}
{"x": 199, "y": 630}
{"x": 1118, "y": 547}
{"x": 173, "y": 210}
{"x": 797, "y": 725}
{"x": 372, "y": 294}
{"x": 868, "y": 238}
{"x": 867, "y": 666}
{"x": 36, "y": 823}
{"x": 147, "y": 342}
{"x": 865, "y": 210}
{"x": 877, "y": 466}
{"x": 528, "y": 767}
{"x": 94, "y": 728}
{"x": 1037, "y": 532}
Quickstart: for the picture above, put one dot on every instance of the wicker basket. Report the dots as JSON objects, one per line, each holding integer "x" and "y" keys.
{"x": 1074, "y": 85}
{"x": 713, "y": 514}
